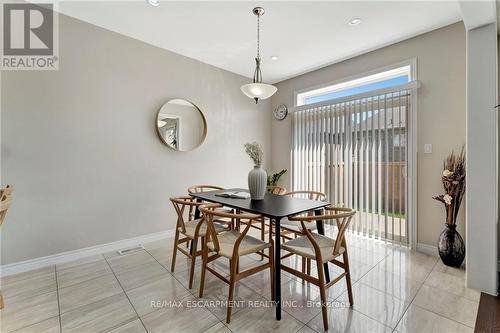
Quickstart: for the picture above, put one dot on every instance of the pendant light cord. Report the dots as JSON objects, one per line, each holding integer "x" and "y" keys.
{"x": 258, "y": 36}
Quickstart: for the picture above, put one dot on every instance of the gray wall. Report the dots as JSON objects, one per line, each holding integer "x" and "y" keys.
{"x": 440, "y": 58}
{"x": 80, "y": 144}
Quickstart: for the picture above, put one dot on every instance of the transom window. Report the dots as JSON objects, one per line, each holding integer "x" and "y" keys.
{"x": 385, "y": 79}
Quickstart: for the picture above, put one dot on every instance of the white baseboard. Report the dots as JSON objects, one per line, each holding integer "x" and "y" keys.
{"x": 428, "y": 249}
{"x": 59, "y": 258}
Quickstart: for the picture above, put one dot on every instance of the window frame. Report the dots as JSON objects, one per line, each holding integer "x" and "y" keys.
{"x": 301, "y": 95}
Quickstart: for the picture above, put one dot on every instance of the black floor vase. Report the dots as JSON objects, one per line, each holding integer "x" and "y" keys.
{"x": 451, "y": 247}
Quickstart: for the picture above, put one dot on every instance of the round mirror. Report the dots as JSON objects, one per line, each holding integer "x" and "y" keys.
{"x": 181, "y": 125}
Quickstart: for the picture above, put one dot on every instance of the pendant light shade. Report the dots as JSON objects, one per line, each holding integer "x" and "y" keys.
{"x": 258, "y": 90}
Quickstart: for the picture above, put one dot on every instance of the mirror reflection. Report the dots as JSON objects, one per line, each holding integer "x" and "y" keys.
{"x": 181, "y": 125}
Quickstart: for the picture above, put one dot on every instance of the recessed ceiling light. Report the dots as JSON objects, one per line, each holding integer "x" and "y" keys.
{"x": 274, "y": 57}
{"x": 355, "y": 21}
{"x": 155, "y": 3}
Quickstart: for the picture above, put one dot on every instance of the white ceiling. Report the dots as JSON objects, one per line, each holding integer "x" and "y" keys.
{"x": 477, "y": 13}
{"x": 305, "y": 35}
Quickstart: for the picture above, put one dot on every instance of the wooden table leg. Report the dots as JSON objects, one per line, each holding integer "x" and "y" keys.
{"x": 277, "y": 267}
{"x": 321, "y": 231}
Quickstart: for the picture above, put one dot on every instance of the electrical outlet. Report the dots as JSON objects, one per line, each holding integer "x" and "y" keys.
{"x": 428, "y": 148}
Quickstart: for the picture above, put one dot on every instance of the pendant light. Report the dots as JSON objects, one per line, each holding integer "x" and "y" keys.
{"x": 258, "y": 90}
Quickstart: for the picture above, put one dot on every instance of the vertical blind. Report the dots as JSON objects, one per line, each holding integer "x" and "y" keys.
{"x": 354, "y": 150}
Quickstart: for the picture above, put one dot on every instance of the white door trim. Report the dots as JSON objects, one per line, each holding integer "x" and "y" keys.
{"x": 412, "y": 162}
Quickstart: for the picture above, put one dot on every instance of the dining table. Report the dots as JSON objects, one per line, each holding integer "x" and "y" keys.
{"x": 275, "y": 207}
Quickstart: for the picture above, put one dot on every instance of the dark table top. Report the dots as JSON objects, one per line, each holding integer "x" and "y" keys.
{"x": 273, "y": 205}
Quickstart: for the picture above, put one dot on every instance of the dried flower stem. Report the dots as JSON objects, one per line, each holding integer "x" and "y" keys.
{"x": 255, "y": 152}
{"x": 454, "y": 185}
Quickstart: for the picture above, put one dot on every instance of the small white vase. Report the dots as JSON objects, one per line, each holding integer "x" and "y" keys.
{"x": 257, "y": 181}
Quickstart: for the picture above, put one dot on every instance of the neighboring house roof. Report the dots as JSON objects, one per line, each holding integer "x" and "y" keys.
{"x": 381, "y": 119}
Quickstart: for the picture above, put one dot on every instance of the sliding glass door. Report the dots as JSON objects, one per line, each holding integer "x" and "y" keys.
{"x": 354, "y": 149}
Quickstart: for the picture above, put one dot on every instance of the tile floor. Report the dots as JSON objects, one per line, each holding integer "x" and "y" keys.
{"x": 395, "y": 290}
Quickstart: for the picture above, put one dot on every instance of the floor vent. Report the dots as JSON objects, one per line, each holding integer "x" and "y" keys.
{"x": 132, "y": 249}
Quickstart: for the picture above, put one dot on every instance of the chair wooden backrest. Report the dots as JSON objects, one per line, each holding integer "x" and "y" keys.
{"x": 180, "y": 204}
{"x": 211, "y": 213}
{"x": 7, "y": 190}
{"x": 311, "y": 195}
{"x": 342, "y": 217}
{"x": 203, "y": 188}
{"x": 276, "y": 190}
{"x": 5, "y": 202}
{"x": 199, "y": 189}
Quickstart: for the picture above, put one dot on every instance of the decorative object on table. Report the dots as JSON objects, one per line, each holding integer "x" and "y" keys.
{"x": 278, "y": 190}
{"x": 272, "y": 180}
{"x": 258, "y": 90}
{"x": 257, "y": 177}
{"x": 451, "y": 246}
{"x": 234, "y": 194}
{"x": 181, "y": 125}
{"x": 280, "y": 112}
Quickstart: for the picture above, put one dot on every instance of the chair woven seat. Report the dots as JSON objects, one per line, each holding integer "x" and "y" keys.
{"x": 248, "y": 244}
{"x": 191, "y": 227}
{"x": 302, "y": 246}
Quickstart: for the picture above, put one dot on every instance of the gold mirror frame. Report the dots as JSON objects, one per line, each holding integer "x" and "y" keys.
{"x": 203, "y": 137}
